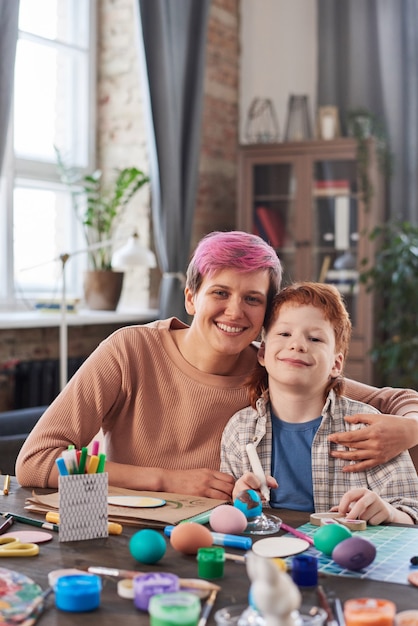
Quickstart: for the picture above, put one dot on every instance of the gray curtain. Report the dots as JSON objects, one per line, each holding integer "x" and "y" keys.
{"x": 368, "y": 57}
{"x": 172, "y": 44}
{"x": 9, "y": 13}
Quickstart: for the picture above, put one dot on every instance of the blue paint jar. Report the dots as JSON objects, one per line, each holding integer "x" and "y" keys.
{"x": 78, "y": 593}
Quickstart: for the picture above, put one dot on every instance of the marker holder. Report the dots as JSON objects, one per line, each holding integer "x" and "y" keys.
{"x": 83, "y": 506}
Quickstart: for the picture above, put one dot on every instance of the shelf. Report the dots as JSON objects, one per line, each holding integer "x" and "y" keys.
{"x": 36, "y": 319}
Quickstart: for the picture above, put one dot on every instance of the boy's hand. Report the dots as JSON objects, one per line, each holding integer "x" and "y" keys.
{"x": 250, "y": 481}
{"x": 368, "y": 505}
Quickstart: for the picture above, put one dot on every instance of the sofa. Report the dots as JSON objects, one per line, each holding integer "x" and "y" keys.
{"x": 15, "y": 426}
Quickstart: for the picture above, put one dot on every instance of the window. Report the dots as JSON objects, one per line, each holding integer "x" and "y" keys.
{"x": 54, "y": 105}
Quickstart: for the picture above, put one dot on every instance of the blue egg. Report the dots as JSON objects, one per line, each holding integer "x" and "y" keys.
{"x": 147, "y": 546}
{"x": 249, "y": 502}
{"x": 354, "y": 553}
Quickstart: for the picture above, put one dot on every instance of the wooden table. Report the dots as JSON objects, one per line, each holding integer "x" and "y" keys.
{"x": 114, "y": 552}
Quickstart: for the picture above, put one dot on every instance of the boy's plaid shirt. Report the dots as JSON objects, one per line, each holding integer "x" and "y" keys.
{"x": 395, "y": 481}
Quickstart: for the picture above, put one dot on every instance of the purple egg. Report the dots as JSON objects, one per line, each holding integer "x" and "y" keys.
{"x": 354, "y": 553}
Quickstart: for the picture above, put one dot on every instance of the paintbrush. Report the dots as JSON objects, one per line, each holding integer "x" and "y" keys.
{"x": 185, "y": 583}
{"x": 207, "y": 608}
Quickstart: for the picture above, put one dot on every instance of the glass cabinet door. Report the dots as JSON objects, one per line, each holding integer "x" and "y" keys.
{"x": 273, "y": 210}
{"x": 335, "y": 228}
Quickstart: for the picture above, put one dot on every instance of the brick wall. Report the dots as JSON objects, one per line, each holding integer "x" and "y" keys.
{"x": 27, "y": 344}
{"x": 216, "y": 199}
{"x": 121, "y": 142}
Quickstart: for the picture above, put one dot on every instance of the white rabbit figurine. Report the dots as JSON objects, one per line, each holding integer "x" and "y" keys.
{"x": 273, "y": 591}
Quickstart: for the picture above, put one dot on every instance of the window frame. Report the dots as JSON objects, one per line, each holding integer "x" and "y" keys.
{"x": 42, "y": 173}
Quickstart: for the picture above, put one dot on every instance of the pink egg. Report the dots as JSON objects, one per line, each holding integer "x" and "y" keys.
{"x": 228, "y": 519}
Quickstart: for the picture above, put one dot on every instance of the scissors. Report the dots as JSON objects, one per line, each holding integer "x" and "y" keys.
{"x": 12, "y": 546}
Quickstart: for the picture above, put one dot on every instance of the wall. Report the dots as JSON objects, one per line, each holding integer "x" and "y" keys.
{"x": 27, "y": 344}
{"x": 216, "y": 198}
{"x": 278, "y": 55}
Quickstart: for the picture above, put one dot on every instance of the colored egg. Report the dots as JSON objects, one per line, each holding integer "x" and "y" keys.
{"x": 249, "y": 502}
{"x": 189, "y": 537}
{"x": 228, "y": 519}
{"x": 328, "y": 536}
{"x": 354, "y": 553}
{"x": 147, "y": 546}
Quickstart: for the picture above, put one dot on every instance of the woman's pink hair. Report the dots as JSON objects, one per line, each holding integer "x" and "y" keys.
{"x": 236, "y": 250}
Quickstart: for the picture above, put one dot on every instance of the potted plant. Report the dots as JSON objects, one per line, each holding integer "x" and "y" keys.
{"x": 99, "y": 208}
{"x": 363, "y": 125}
{"x": 393, "y": 275}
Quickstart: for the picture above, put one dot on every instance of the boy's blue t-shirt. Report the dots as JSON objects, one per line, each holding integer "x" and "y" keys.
{"x": 291, "y": 464}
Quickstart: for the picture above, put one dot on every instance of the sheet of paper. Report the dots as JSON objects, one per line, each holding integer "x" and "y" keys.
{"x": 177, "y": 508}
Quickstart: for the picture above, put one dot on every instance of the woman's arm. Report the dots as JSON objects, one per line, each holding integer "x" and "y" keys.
{"x": 386, "y": 435}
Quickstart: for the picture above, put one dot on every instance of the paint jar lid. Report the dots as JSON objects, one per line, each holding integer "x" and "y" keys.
{"x": 148, "y": 585}
{"x": 78, "y": 593}
{"x": 179, "y": 608}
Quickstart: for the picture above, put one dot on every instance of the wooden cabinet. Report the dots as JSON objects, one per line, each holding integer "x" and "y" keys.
{"x": 303, "y": 197}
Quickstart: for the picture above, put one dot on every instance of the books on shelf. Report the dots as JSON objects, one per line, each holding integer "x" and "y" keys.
{"x": 269, "y": 225}
{"x": 346, "y": 281}
{"x": 331, "y": 187}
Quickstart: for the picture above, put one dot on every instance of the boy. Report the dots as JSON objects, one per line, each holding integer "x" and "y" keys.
{"x": 296, "y": 402}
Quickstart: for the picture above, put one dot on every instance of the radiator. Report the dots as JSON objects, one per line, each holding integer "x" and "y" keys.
{"x": 36, "y": 383}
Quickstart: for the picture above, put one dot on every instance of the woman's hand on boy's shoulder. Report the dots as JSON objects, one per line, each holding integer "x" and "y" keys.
{"x": 383, "y": 438}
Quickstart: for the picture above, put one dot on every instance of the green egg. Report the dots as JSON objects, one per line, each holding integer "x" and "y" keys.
{"x": 328, "y": 536}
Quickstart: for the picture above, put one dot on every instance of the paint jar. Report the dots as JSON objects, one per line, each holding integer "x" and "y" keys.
{"x": 369, "y": 612}
{"x": 148, "y": 585}
{"x": 78, "y": 593}
{"x": 179, "y": 608}
{"x": 210, "y": 562}
{"x": 305, "y": 570}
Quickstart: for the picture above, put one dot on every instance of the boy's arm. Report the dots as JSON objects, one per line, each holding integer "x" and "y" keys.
{"x": 386, "y": 435}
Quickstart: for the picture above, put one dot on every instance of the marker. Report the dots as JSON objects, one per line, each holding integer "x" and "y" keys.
{"x": 223, "y": 539}
{"x": 296, "y": 533}
{"x": 31, "y": 521}
{"x": 258, "y": 470}
{"x": 62, "y": 468}
{"x": 200, "y": 518}
{"x": 6, "y": 486}
{"x": 70, "y": 458}
{"x": 101, "y": 464}
{"x": 95, "y": 446}
{"x": 83, "y": 459}
{"x": 93, "y": 464}
{"x": 6, "y": 524}
{"x": 113, "y": 527}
